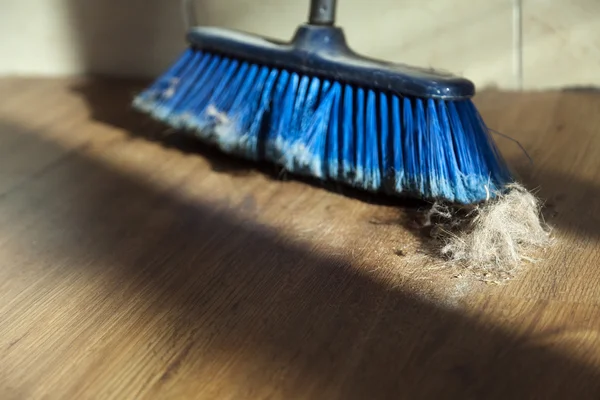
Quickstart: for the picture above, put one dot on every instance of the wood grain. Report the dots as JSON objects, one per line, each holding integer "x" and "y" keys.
{"x": 132, "y": 268}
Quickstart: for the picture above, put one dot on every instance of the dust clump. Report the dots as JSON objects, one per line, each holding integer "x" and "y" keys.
{"x": 493, "y": 239}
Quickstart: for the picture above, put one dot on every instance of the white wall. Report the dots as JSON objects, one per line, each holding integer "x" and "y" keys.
{"x": 35, "y": 37}
{"x": 64, "y": 37}
{"x": 478, "y": 39}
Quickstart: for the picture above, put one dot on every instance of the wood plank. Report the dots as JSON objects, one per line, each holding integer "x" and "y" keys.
{"x": 132, "y": 268}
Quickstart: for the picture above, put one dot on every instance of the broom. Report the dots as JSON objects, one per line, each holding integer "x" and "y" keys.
{"x": 315, "y": 107}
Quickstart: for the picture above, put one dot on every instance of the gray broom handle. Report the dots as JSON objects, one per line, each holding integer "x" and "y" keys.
{"x": 322, "y": 12}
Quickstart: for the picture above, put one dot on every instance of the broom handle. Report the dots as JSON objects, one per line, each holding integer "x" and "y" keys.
{"x": 322, "y": 12}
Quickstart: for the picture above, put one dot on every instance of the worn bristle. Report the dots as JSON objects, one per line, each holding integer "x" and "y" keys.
{"x": 376, "y": 141}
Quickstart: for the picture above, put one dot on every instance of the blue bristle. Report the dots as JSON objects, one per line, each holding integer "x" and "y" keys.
{"x": 397, "y": 150}
{"x": 230, "y": 133}
{"x": 455, "y": 182}
{"x": 359, "y": 135}
{"x": 386, "y": 146}
{"x": 217, "y": 74}
{"x": 295, "y": 147}
{"x": 156, "y": 92}
{"x": 348, "y": 156}
{"x": 277, "y": 114}
{"x": 308, "y": 110}
{"x": 441, "y": 161}
{"x": 249, "y": 113}
{"x": 184, "y": 88}
{"x": 212, "y": 112}
{"x": 163, "y": 94}
{"x": 405, "y": 128}
{"x": 490, "y": 151}
{"x": 333, "y": 141}
{"x": 372, "y": 142}
{"x": 376, "y": 141}
{"x": 286, "y": 144}
{"x": 218, "y": 113}
{"x": 462, "y": 146}
{"x": 180, "y": 86}
{"x": 281, "y": 126}
{"x": 421, "y": 178}
{"x": 310, "y": 149}
{"x": 190, "y": 108}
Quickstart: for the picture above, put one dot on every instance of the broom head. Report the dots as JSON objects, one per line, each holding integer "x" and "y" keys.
{"x": 315, "y": 107}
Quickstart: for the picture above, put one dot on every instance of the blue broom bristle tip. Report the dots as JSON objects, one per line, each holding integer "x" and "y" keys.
{"x": 426, "y": 148}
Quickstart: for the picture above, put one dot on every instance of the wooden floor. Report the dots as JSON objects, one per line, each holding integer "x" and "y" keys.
{"x": 132, "y": 268}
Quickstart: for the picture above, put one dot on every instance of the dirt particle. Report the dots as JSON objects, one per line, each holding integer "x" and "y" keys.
{"x": 400, "y": 253}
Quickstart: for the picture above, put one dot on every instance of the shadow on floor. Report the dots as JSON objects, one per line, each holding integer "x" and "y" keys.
{"x": 286, "y": 318}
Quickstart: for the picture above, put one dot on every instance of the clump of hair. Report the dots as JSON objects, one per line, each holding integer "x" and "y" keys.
{"x": 492, "y": 239}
